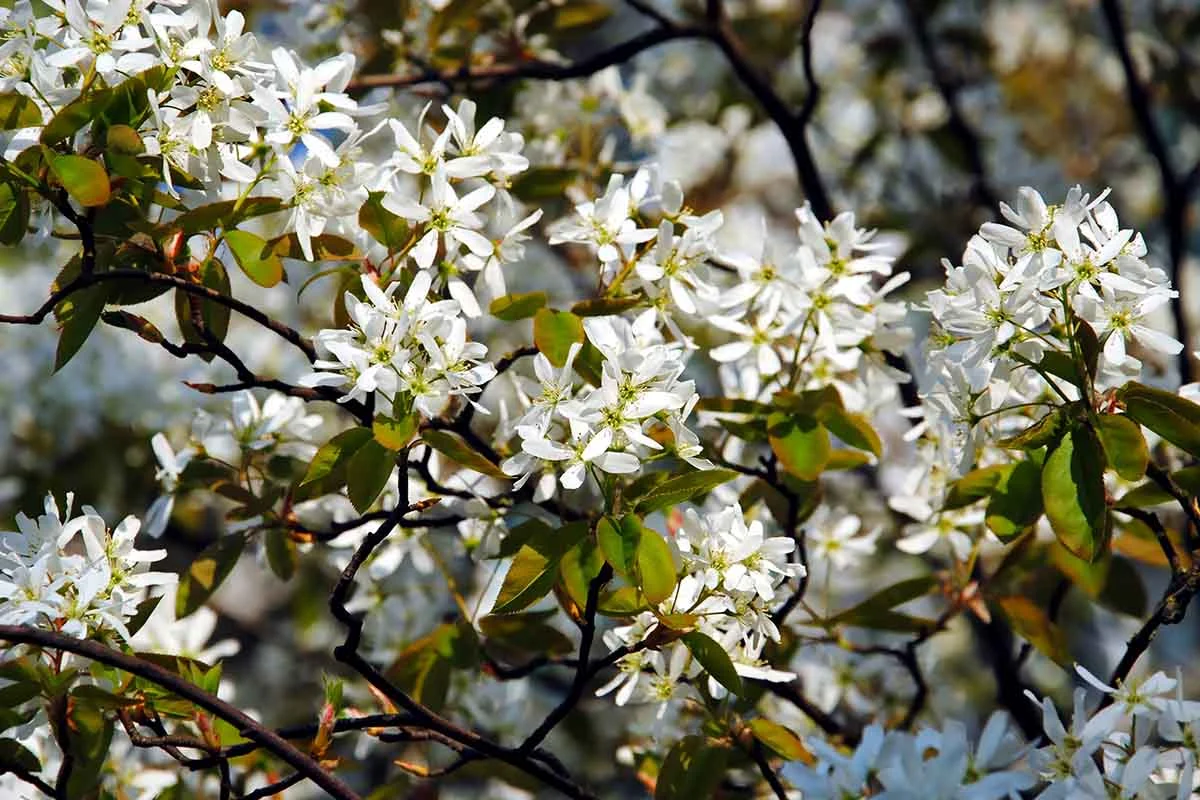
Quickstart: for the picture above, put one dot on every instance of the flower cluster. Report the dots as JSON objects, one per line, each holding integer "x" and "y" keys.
{"x": 610, "y": 427}
{"x": 242, "y": 441}
{"x": 1021, "y": 293}
{"x": 411, "y": 355}
{"x": 731, "y": 574}
{"x": 45, "y": 582}
{"x": 811, "y": 315}
{"x": 1142, "y": 745}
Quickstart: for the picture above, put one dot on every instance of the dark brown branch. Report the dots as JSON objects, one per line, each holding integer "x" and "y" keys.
{"x": 948, "y": 87}
{"x": 1151, "y": 521}
{"x": 537, "y": 70}
{"x": 768, "y": 772}
{"x": 1176, "y": 190}
{"x": 286, "y": 333}
{"x": 1170, "y": 610}
{"x": 246, "y": 726}
{"x": 793, "y": 125}
{"x": 582, "y": 673}
{"x": 718, "y": 31}
{"x": 348, "y": 654}
{"x": 273, "y": 789}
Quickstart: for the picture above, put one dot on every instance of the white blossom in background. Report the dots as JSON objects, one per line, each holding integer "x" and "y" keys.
{"x": 46, "y": 582}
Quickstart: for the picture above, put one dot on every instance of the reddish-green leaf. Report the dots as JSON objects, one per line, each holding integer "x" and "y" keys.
{"x": 779, "y": 740}
{"x": 554, "y": 332}
{"x": 84, "y": 179}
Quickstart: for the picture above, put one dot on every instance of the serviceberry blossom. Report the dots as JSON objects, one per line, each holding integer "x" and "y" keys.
{"x": 46, "y": 582}
{"x": 1019, "y": 289}
{"x": 732, "y": 574}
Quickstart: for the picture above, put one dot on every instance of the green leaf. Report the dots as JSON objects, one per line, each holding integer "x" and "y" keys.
{"x": 455, "y": 448}
{"x": 1124, "y": 446}
{"x": 1151, "y": 494}
{"x": 207, "y": 572}
{"x": 533, "y": 571}
{"x": 513, "y": 307}
{"x": 655, "y": 567}
{"x": 518, "y": 536}
{"x": 692, "y": 769}
{"x": 800, "y": 443}
{"x": 15, "y": 756}
{"x": 14, "y": 213}
{"x": 542, "y": 183}
{"x": 123, "y": 140}
{"x": 525, "y": 632}
{"x": 282, "y": 556}
{"x": 84, "y": 179}
{"x": 622, "y": 602}
{"x": 618, "y": 542}
{"x": 1170, "y": 416}
{"x": 1030, "y": 622}
{"x": 604, "y": 306}
{"x": 18, "y": 111}
{"x": 77, "y": 315}
{"x": 215, "y": 316}
{"x": 1016, "y": 501}
{"x": 71, "y": 117}
{"x": 779, "y": 740}
{"x": 1045, "y": 431}
{"x": 975, "y": 485}
{"x": 733, "y": 405}
{"x": 1073, "y": 494}
{"x": 395, "y": 434}
{"x": 683, "y": 488}
{"x": 554, "y": 332}
{"x": 255, "y": 257}
{"x": 385, "y": 227}
{"x": 1124, "y": 591}
{"x": 853, "y": 429}
{"x": 91, "y": 733}
{"x": 325, "y": 247}
{"x": 577, "y": 568}
{"x": 223, "y": 214}
{"x": 334, "y": 455}
{"x": 874, "y": 608}
{"x": 714, "y": 659}
{"x": 367, "y": 473}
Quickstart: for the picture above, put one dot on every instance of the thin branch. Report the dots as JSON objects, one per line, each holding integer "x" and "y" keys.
{"x": 347, "y": 653}
{"x": 537, "y": 70}
{"x": 1170, "y": 610}
{"x": 246, "y": 726}
{"x": 579, "y": 684}
{"x": 948, "y": 87}
{"x": 1151, "y": 521}
{"x": 286, "y": 333}
{"x": 768, "y": 772}
{"x": 1176, "y": 190}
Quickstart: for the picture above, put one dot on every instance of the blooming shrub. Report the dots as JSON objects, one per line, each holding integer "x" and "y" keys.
{"x": 645, "y": 485}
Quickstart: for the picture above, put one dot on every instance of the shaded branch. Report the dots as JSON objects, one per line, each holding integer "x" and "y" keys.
{"x": 246, "y": 726}
{"x": 1176, "y": 190}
